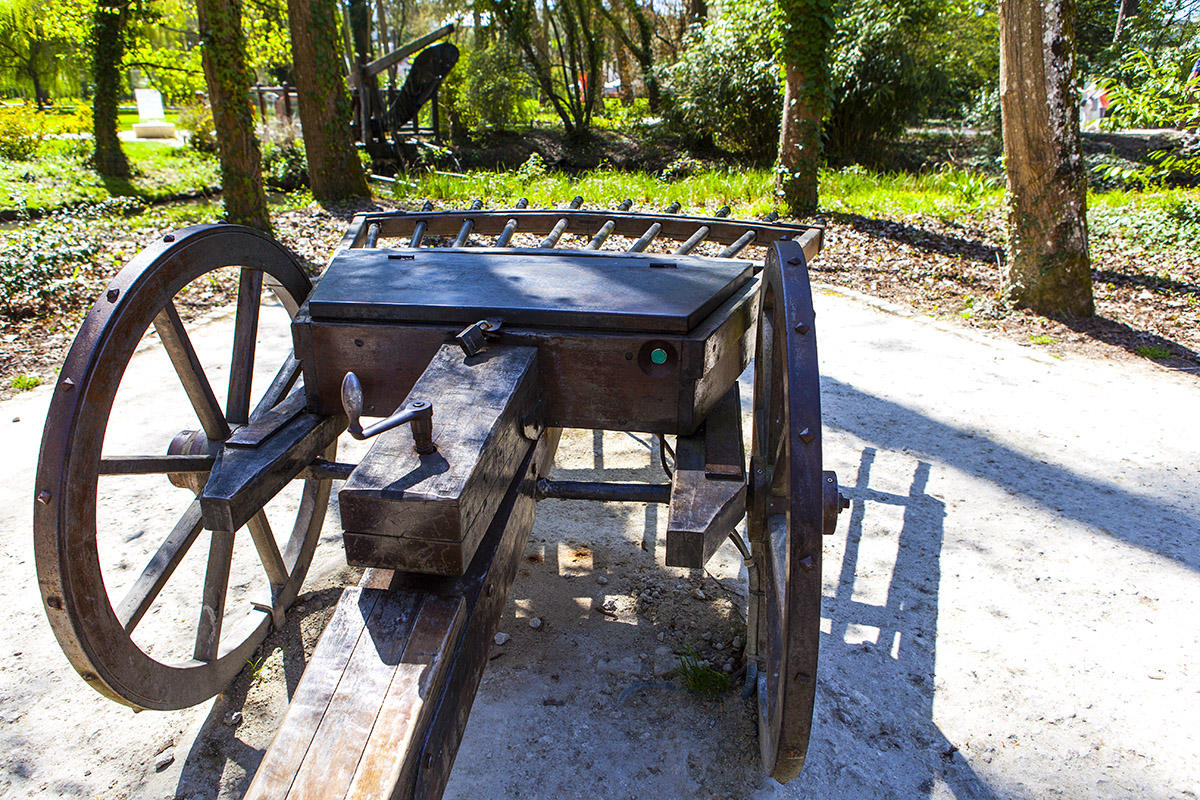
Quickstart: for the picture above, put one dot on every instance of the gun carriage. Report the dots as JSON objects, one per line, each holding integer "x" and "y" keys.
{"x": 477, "y": 336}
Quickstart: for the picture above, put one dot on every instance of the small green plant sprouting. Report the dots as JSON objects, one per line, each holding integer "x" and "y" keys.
{"x": 1153, "y": 351}
{"x": 23, "y": 382}
{"x": 1042, "y": 339}
{"x": 256, "y": 667}
{"x": 700, "y": 678}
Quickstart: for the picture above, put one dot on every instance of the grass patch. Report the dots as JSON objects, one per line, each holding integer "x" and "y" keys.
{"x": 949, "y": 194}
{"x": 1155, "y": 352}
{"x": 700, "y": 678}
{"x": 25, "y": 382}
{"x": 1042, "y": 339}
{"x": 747, "y": 192}
{"x": 60, "y": 176}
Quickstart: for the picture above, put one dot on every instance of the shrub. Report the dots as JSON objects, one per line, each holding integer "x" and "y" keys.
{"x": 726, "y": 85}
{"x": 488, "y": 88}
{"x": 198, "y": 119}
{"x": 284, "y": 166}
{"x": 21, "y": 132}
{"x": 879, "y": 85}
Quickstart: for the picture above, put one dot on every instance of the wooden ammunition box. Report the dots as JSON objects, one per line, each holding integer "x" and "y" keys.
{"x": 625, "y": 341}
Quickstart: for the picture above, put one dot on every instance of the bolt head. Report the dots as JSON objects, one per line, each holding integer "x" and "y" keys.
{"x": 112, "y": 295}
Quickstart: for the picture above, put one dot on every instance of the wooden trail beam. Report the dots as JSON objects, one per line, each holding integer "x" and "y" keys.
{"x": 382, "y": 705}
{"x": 708, "y": 488}
{"x": 427, "y": 512}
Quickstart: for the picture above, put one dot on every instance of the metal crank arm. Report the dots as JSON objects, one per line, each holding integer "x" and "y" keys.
{"x": 417, "y": 412}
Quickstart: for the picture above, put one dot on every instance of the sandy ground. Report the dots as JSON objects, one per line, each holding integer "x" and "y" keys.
{"x": 1012, "y": 605}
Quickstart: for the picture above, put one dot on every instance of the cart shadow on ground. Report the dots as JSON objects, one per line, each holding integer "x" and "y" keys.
{"x": 221, "y": 762}
{"x": 874, "y": 732}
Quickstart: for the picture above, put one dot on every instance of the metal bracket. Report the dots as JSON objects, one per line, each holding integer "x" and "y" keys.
{"x": 418, "y": 412}
{"x": 473, "y": 338}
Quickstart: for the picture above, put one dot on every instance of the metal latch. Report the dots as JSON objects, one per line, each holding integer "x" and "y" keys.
{"x": 474, "y": 337}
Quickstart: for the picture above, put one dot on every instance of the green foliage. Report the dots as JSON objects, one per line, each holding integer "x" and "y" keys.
{"x": 60, "y": 176}
{"x": 42, "y": 43}
{"x": 1042, "y": 339}
{"x": 1166, "y": 220}
{"x": 25, "y": 382}
{"x": 533, "y": 168}
{"x": 700, "y": 678}
{"x": 197, "y": 119}
{"x": 284, "y": 166}
{"x": 1155, "y": 352}
{"x": 1158, "y": 27}
{"x": 725, "y": 87}
{"x": 1155, "y": 91}
{"x": 879, "y": 84}
{"x": 43, "y": 262}
{"x": 488, "y": 89}
{"x": 21, "y": 132}
{"x": 561, "y": 44}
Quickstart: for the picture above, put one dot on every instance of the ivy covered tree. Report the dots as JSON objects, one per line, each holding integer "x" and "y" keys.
{"x": 334, "y": 171}
{"x": 806, "y": 27}
{"x": 109, "y": 39}
{"x": 224, "y": 56}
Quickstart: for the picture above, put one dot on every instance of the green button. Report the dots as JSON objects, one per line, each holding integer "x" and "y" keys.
{"x": 658, "y": 355}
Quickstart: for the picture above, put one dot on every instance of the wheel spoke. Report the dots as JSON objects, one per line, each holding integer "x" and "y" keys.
{"x": 216, "y": 584}
{"x": 154, "y": 465}
{"x": 191, "y": 374}
{"x": 245, "y": 332}
{"x": 281, "y": 384}
{"x": 268, "y": 550}
{"x": 146, "y": 588}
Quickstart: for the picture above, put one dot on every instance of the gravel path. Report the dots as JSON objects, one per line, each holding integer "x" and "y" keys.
{"x": 1011, "y": 606}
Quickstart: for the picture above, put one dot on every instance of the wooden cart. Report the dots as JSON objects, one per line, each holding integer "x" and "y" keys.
{"x": 480, "y": 334}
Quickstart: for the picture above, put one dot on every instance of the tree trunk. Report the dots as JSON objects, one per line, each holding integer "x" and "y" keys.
{"x": 108, "y": 41}
{"x": 224, "y": 56}
{"x": 806, "y": 28}
{"x": 1048, "y": 266}
{"x": 334, "y": 171}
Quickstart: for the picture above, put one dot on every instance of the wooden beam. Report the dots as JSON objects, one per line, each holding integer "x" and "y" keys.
{"x": 708, "y": 489}
{"x": 428, "y": 512}
{"x": 380, "y": 709}
{"x": 399, "y": 54}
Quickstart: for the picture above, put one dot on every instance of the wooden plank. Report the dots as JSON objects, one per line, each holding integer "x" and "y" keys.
{"x": 336, "y": 747}
{"x": 708, "y": 489}
{"x": 380, "y": 694}
{"x": 321, "y": 677}
{"x": 244, "y": 478}
{"x": 389, "y": 756}
{"x": 447, "y": 497}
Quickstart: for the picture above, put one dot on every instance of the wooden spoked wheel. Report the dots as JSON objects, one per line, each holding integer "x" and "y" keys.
{"x": 137, "y": 605}
{"x": 785, "y": 512}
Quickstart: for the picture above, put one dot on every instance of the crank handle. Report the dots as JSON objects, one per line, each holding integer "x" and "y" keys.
{"x": 418, "y": 412}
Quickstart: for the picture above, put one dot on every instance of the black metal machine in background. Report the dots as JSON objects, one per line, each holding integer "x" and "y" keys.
{"x": 387, "y": 120}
